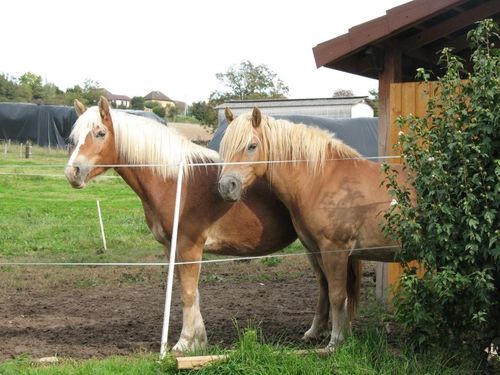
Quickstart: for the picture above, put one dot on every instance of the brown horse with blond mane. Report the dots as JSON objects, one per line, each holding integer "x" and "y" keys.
{"x": 333, "y": 195}
{"x": 257, "y": 225}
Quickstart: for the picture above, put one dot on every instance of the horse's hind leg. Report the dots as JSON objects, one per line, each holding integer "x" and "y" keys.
{"x": 193, "y": 334}
{"x": 319, "y": 327}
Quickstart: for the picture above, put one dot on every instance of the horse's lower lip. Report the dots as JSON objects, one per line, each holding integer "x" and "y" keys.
{"x": 81, "y": 185}
{"x": 229, "y": 197}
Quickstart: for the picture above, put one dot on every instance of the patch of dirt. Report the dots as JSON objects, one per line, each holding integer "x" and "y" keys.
{"x": 94, "y": 312}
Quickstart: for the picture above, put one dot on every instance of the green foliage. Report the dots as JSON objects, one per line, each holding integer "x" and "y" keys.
{"x": 452, "y": 156}
{"x": 29, "y": 88}
{"x": 271, "y": 261}
{"x": 188, "y": 119}
{"x": 31, "y": 83}
{"x": 203, "y": 112}
{"x": 137, "y": 102}
{"x": 249, "y": 81}
{"x": 91, "y": 92}
{"x": 8, "y": 89}
{"x": 172, "y": 112}
{"x": 157, "y": 108}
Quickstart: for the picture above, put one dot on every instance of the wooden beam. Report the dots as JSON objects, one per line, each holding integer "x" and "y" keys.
{"x": 184, "y": 363}
{"x": 392, "y": 73}
{"x": 195, "y": 362}
{"x": 451, "y": 25}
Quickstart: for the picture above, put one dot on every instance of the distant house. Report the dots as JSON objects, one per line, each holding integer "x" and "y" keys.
{"x": 335, "y": 108}
{"x": 118, "y": 101}
{"x": 159, "y": 97}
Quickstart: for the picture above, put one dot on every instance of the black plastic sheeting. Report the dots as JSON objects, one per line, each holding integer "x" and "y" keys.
{"x": 44, "y": 125}
{"x": 359, "y": 133}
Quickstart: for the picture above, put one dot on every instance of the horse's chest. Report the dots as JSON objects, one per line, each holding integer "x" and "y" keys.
{"x": 156, "y": 227}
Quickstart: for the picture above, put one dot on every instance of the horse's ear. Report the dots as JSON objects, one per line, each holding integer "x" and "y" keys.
{"x": 256, "y": 117}
{"x": 104, "y": 108}
{"x": 79, "y": 107}
{"x": 229, "y": 115}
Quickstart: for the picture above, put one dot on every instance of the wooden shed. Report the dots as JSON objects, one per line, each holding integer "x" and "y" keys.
{"x": 390, "y": 48}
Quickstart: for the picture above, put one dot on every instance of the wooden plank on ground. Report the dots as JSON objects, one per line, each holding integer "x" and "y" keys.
{"x": 187, "y": 363}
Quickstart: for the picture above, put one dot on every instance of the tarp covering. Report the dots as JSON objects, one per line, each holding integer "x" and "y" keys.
{"x": 45, "y": 125}
{"x": 359, "y": 133}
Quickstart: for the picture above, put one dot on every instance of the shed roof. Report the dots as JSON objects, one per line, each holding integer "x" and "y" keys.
{"x": 419, "y": 28}
{"x": 349, "y": 100}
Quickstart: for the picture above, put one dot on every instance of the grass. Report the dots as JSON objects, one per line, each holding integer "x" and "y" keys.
{"x": 365, "y": 353}
{"x": 133, "y": 365}
{"x": 43, "y": 218}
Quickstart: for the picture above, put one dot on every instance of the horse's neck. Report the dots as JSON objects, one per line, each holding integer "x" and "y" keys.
{"x": 143, "y": 181}
{"x": 288, "y": 180}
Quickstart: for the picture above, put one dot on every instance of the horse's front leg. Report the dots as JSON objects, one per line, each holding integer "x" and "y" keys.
{"x": 193, "y": 334}
{"x": 319, "y": 327}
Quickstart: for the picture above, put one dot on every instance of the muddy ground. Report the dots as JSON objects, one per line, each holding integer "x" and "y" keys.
{"x": 83, "y": 312}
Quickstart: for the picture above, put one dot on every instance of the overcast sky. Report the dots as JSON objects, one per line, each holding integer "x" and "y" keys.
{"x": 177, "y": 47}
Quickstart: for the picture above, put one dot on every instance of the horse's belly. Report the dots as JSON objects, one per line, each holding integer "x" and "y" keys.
{"x": 375, "y": 254}
{"x": 243, "y": 237}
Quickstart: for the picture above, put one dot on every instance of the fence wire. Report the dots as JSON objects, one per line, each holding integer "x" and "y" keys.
{"x": 164, "y": 264}
{"x": 206, "y": 261}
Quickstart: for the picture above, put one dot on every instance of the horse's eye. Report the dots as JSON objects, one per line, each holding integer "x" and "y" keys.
{"x": 252, "y": 146}
{"x": 100, "y": 134}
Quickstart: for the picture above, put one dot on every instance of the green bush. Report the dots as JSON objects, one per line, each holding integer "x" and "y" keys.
{"x": 452, "y": 156}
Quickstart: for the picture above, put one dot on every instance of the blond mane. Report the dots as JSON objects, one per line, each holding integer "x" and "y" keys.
{"x": 140, "y": 140}
{"x": 284, "y": 140}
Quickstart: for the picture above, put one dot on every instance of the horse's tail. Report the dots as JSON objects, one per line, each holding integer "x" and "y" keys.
{"x": 354, "y": 275}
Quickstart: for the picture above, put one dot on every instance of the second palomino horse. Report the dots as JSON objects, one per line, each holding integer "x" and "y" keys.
{"x": 333, "y": 195}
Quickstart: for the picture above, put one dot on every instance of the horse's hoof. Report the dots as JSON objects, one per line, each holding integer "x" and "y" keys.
{"x": 330, "y": 348}
{"x": 312, "y": 335}
{"x": 334, "y": 343}
{"x": 186, "y": 346}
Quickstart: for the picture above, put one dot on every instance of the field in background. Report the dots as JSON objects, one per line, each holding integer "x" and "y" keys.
{"x": 43, "y": 218}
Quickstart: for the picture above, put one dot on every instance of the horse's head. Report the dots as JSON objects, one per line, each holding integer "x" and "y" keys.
{"x": 94, "y": 141}
{"x": 242, "y": 143}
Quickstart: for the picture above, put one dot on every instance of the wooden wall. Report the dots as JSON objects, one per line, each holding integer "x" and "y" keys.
{"x": 404, "y": 99}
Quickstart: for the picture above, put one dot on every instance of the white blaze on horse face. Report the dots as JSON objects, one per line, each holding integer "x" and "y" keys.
{"x": 76, "y": 152}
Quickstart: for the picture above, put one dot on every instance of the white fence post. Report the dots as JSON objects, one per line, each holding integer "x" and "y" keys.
{"x": 101, "y": 224}
{"x": 171, "y": 263}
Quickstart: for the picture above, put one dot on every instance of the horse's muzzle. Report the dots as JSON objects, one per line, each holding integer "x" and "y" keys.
{"x": 230, "y": 188}
{"x": 77, "y": 175}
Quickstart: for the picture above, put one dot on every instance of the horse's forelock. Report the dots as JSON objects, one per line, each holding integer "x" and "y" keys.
{"x": 237, "y": 137}
{"x": 87, "y": 121}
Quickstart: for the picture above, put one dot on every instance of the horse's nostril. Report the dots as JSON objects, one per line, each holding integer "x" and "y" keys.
{"x": 232, "y": 185}
{"x": 77, "y": 171}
